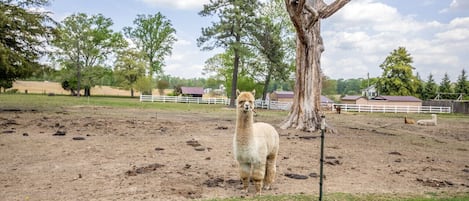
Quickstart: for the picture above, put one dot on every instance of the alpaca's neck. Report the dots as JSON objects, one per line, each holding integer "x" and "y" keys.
{"x": 244, "y": 127}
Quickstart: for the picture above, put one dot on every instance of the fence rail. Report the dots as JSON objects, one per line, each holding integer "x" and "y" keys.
{"x": 276, "y": 105}
{"x": 272, "y": 105}
{"x": 183, "y": 99}
{"x": 393, "y": 108}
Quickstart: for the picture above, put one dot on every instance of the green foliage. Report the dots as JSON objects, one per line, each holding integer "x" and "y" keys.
{"x": 128, "y": 67}
{"x": 397, "y": 78}
{"x": 144, "y": 85}
{"x": 445, "y": 85}
{"x": 177, "y": 90}
{"x": 162, "y": 85}
{"x": 24, "y": 34}
{"x": 219, "y": 66}
{"x": 154, "y": 37}
{"x": 269, "y": 45}
{"x": 329, "y": 86}
{"x": 462, "y": 85}
{"x": 84, "y": 44}
{"x": 236, "y": 20}
{"x": 5, "y": 84}
{"x": 430, "y": 88}
{"x": 349, "y": 86}
{"x": 353, "y": 197}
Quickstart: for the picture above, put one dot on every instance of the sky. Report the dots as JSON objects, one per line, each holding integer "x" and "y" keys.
{"x": 357, "y": 38}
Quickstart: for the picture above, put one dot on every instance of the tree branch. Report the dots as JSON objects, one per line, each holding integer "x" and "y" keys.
{"x": 330, "y": 9}
{"x": 314, "y": 15}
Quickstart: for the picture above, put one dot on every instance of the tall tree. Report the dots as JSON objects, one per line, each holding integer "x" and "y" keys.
{"x": 24, "y": 33}
{"x": 85, "y": 43}
{"x": 154, "y": 35}
{"x": 268, "y": 43}
{"x": 129, "y": 66}
{"x": 462, "y": 85}
{"x": 430, "y": 88}
{"x": 306, "y": 16}
{"x": 329, "y": 86}
{"x": 236, "y": 18}
{"x": 397, "y": 78}
{"x": 219, "y": 66}
{"x": 445, "y": 85}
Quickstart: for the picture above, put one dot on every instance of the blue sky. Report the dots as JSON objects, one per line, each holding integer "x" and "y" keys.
{"x": 357, "y": 38}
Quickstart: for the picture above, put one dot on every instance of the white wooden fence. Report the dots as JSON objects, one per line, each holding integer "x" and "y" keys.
{"x": 183, "y": 99}
{"x": 275, "y": 105}
{"x": 393, "y": 108}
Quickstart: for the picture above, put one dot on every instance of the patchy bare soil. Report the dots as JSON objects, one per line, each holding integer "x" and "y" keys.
{"x": 99, "y": 153}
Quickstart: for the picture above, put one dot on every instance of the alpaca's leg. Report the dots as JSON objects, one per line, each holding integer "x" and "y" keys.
{"x": 244, "y": 172}
{"x": 270, "y": 171}
{"x": 258, "y": 173}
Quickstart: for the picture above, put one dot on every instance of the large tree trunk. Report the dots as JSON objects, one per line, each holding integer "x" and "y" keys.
{"x": 266, "y": 85}
{"x": 234, "y": 81}
{"x": 306, "y": 16}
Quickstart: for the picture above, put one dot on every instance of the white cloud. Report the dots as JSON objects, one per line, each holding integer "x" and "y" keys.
{"x": 361, "y": 35}
{"x": 454, "y": 35}
{"x": 178, "y": 4}
{"x": 459, "y": 5}
{"x": 456, "y": 5}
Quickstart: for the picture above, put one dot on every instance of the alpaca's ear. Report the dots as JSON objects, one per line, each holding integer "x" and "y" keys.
{"x": 253, "y": 92}
{"x": 237, "y": 92}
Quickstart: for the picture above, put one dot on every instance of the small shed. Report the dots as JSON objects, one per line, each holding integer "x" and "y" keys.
{"x": 192, "y": 91}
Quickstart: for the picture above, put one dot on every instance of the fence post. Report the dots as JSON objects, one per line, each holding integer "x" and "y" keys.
{"x": 321, "y": 160}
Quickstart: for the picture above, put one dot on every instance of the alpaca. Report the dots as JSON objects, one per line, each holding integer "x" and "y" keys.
{"x": 428, "y": 122}
{"x": 408, "y": 120}
{"x": 255, "y": 145}
{"x": 337, "y": 109}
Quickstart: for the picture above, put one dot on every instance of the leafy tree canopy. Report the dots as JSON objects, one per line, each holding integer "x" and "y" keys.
{"x": 154, "y": 36}
{"x": 84, "y": 45}
{"x": 397, "y": 78}
{"x": 462, "y": 85}
{"x": 24, "y": 32}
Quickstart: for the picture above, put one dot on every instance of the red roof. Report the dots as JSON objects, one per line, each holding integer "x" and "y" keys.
{"x": 192, "y": 90}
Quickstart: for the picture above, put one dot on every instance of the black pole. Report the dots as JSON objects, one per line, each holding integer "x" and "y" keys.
{"x": 321, "y": 161}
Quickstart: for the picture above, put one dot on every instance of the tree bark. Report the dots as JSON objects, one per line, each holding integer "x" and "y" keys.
{"x": 306, "y": 16}
{"x": 234, "y": 82}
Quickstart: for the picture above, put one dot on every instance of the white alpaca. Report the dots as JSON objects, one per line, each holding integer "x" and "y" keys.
{"x": 255, "y": 145}
{"x": 428, "y": 122}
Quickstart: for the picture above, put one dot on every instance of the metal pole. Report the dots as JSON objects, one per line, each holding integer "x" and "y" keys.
{"x": 321, "y": 161}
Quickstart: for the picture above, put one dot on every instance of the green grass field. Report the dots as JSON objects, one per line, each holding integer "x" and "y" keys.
{"x": 52, "y": 103}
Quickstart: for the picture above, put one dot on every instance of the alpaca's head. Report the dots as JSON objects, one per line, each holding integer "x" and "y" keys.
{"x": 245, "y": 101}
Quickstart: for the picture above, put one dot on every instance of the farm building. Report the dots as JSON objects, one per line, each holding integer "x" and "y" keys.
{"x": 192, "y": 91}
{"x": 383, "y": 100}
{"x": 287, "y": 96}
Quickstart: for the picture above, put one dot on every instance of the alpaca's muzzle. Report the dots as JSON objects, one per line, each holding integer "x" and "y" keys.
{"x": 247, "y": 107}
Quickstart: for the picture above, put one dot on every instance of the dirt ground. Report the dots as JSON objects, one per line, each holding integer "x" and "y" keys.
{"x": 100, "y": 153}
